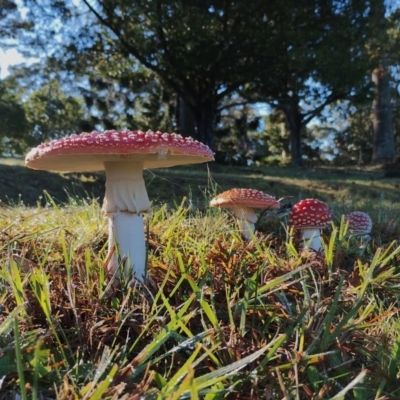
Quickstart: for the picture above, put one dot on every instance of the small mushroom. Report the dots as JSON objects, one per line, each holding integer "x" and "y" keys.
{"x": 360, "y": 224}
{"x": 243, "y": 202}
{"x": 123, "y": 155}
{"x": 310, "y": 215}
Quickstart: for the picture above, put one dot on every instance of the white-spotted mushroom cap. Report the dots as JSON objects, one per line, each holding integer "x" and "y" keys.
{"x": 88, "y": 151}
{"x": 310, "y": 213}
{"x": 244, "y": 198}
{"x": 359, "y": 222}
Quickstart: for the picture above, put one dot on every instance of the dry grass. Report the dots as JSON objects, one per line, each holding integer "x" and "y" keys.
{"x": 222, "y": 318}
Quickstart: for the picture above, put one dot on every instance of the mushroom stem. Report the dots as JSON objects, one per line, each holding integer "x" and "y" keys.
{"x": 311, "y": 238}
{"x": 126, "y": 231}
{"x": 125, "y": 201}
{"x": 245, "y": 218}
{"x": 125, "y": 187}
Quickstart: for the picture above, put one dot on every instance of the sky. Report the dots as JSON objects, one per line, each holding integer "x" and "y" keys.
{"x": 7, "y": 58}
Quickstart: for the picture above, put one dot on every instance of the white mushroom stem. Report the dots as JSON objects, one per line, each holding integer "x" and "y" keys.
{"x": 245, "y": 218}
{"x": 124, "y": 203}
{"x": 125, "y": 187}
{"x": 311, "y": 238}
{"x": 126, "y": 231}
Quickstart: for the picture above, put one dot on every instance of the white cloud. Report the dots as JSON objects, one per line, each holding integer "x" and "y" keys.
{"x": 7, "y": 58}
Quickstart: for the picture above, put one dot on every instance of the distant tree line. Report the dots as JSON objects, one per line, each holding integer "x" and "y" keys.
{"x": 325, "y": 70}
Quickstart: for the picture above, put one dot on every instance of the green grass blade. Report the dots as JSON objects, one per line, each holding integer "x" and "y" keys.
{"x": 359, "y": 378}
{"x": 7, "y": 324}
{"x": 223, "y": 373}
{"x": 18, "y": 355}
{"x": 181, "y": 374}
{"x": 206, "y": 308}
{"x": 103, "y": 386}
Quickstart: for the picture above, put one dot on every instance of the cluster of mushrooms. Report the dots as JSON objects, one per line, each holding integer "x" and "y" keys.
{"x": 308, "y": 215}
{"x": 125, "y": 154}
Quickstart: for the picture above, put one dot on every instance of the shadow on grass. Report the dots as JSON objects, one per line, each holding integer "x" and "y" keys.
{"x": 200, "y": 182}
{"x": 22, "y": 185}
{"x": 351, "y": 186}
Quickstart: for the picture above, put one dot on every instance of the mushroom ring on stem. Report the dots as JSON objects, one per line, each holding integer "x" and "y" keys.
{"x": 243, "y": 202}
{"x": 310, "y": 215}
{"x": 123, "y": 155}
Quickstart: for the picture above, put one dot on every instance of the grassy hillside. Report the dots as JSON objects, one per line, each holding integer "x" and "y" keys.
{"x": 349, "y": 186}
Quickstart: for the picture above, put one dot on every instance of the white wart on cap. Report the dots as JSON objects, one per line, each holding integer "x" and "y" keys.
{"x": 310, "y": 215}
{"x": 243, "y": 202}
{"x": 123, "y": 155}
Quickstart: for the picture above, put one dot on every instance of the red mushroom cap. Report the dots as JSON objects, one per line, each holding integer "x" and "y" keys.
{"x": 244, "y": 198}
{"x": 359, "y": 222}
{"x": 310, "y": 213}
{"x": 88, "y": 151}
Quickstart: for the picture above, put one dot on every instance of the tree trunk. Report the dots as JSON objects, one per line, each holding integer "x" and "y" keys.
{"x": 383, "y": 146}
{"x": 285, "y": 142}
{"x": 295, "y": 124}
{"x": 204, "y": 115}
{"x": 185, "y": 118}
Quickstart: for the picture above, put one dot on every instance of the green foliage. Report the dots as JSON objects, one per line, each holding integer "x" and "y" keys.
{"x": 125, "y": 65}
{"x": 51, "y": 113}
{"x": 11, "y": 23}
{"x": 245, "y": 52}
{"x": 307, "y": 80}
{"x": 29, "y": 117}
{"x": 133, "y": 100}
{"x": 14, "y": 126}
{"x": 235, "y": 142}
{"x": 354, "y": 137}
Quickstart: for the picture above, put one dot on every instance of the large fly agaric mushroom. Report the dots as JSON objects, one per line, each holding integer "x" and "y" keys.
{"x": 123, "y": 155}
{"x": 360, "y": 223}
{"x": 243, "y": 202}
{"x": 310, "y": 215}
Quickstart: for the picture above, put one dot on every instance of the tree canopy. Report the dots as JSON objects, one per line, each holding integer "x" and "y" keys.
{"x": 12, "y": 120}
{"x": 172, "y": 64}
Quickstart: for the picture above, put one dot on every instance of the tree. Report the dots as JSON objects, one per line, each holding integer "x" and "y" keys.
{"x": 234, "y": 134}
{"x": 14, "y": 126}
{"x": 347, "y": 132}
{"x": 384, "y": 149}
{"x": 51, "y": 113}
{"x": 11, "y": 23}
{"x": 382, "y": 47}
{"x": 299, "y": 55}
{"x": 200, "y": 50}
{"x": 134, "y": 99}
{"x": 185, "y": 118}
{"x": 244, "y": 40}
{"x": 327, "y": 63}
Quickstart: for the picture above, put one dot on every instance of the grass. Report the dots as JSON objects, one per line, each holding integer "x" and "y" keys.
{"x": 220, "y": 318}
{"x": 350, "y": 186}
